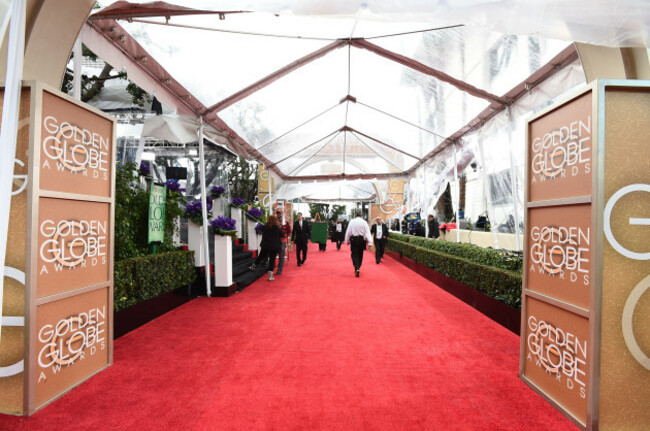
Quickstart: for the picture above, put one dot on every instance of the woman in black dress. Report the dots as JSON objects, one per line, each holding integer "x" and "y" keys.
{"x": 272, "y": 235}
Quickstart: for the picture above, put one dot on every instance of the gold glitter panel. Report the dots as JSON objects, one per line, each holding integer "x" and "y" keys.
{"x": 625, "y": 337}
{"x": 13, "y": 306}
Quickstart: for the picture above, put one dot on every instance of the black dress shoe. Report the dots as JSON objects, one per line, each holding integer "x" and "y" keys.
{"x": 356, "y": 273}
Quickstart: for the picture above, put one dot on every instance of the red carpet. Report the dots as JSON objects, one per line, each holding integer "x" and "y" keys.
{"x": 317, "y": 349}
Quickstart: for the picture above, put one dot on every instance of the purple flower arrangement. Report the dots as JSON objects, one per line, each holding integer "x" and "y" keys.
{"x": 223, "y": 226}
{"x": 237, "y": 202}
{"x": 174, "y": 186}
{"x": 255, "y": 213}
{"x": 217, "y": 191}
{"x": 144, "y": 169}
{"x": 193, "y": 211}
{"x": 259, "y": 227}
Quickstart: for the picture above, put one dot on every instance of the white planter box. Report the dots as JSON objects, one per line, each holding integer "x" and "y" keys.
{"x": 254, "y": 239}
{"x": 236, "y": 213}
{"x": 195, "y": 242}
{"x": 222, "y": 260}
{"x": 218, "y": 207}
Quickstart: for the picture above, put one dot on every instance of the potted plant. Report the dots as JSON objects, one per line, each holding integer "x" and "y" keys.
{"x": 144, "y": 170}
{"x": 237, "y": 207}
{"x": 224, "y": 230}
{"x": 217, "y": 191}
{"x": 223, "y": 226}
{"x": 256, "y": 213}
{"x": 173, "y": 186}
{"x": 194, "y": 212}
{"x": 238, "y": 203}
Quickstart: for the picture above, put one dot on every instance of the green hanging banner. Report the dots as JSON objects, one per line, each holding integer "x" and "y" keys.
{"x": 157, "y": 199}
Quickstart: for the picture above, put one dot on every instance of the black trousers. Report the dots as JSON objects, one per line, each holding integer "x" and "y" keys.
{"x": 339, "y": 239}
{"x": 271, "y": 253}
{"x": 380, "y": 246}
{"x": 357, "y": 246}
{"x": 301, "y": 249}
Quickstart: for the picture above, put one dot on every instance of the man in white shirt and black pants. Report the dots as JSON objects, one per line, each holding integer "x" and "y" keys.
{"x": 379, "y": 233}
{"x": 357, "y": 234}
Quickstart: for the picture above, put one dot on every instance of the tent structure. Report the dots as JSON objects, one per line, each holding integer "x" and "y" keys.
{"x": 336, "y": 98}
{"x": 344, "y": 93}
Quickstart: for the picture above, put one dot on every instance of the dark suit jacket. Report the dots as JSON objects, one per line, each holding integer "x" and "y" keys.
{"x": 384, "y": 232}
{"x": 301, "y": 236}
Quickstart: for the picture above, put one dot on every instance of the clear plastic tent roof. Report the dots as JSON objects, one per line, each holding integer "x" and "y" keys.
{"x": 329, "y": 90}
{"x": 356, "y": 97}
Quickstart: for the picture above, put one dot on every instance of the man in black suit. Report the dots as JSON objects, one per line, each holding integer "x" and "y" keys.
{"x": 379, "y": 232}
{"x": 300, "y": 236}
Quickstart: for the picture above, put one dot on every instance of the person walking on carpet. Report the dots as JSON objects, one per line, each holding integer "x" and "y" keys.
{"x": 339, "y": 233}
{"x": 286, "y": 228}
{"x": 271, "y": 244}
{"x": 357, "y": 234}
{"x": 379, "y": 233}
{"x": 300, "y": 236}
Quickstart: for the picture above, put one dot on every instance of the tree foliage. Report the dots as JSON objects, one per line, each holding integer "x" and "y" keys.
{"x": 242, "y": 178}
{"x": 337, "y": 210}
{"x": 91, "y": 86}
{"x": 132, "y": 215}
{"x": 322, "y": 209}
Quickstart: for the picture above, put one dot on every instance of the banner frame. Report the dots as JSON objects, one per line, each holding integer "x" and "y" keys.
{"x": 34, "y": 193}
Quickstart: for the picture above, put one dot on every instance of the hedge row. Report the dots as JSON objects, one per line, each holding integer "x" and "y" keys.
{"x": 473, "y": 253}
{"x": 142, "y": 278}
{"x": 500, "y": 284}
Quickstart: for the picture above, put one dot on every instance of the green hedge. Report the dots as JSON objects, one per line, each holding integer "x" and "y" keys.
{"x": 142, "y": 278}
{"x": 484, "y": 256}
{"x": 500, "y": 284}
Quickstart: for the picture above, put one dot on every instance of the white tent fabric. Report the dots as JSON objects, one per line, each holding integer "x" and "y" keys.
{"x": 183, "y": 129}
{"x": 329, "y": 191}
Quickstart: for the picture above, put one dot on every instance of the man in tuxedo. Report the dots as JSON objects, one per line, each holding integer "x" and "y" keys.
{"x": 300, "y": 237}
{"x": 379, "y": 232}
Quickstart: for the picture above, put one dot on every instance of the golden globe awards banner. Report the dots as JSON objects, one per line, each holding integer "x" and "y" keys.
{"x": 391, "y": 202}
{"x": 265, "y": 185}
{"x": 157, "y": 200}
{"x": 584, "y": 342}
{"x": 66, "y": 249}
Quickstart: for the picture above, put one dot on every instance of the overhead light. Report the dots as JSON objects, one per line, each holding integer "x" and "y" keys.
{"x": 193, "y": 152}
{"x": 147, "y": 155}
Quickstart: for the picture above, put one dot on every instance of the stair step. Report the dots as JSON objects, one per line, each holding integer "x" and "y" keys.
{"x": 241, "y": 267}
{"x": 249, "y": 277}
{"x": 238, "y": 257}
